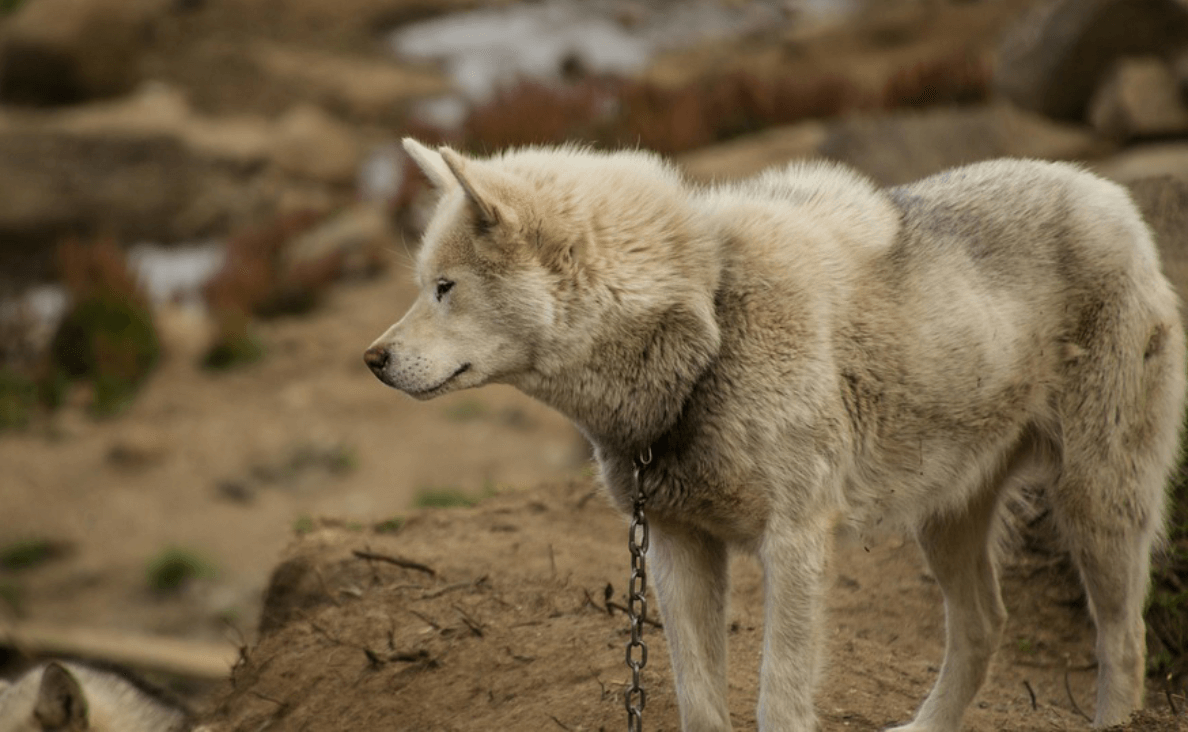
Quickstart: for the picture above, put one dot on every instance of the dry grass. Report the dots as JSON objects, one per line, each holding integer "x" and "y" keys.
{"x": 959, "y": 79}
{"x": 107, "y": 337}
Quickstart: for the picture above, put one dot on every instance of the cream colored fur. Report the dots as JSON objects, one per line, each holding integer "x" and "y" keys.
{"x": 71, "y": 697}
{"x": 803, "y": 350}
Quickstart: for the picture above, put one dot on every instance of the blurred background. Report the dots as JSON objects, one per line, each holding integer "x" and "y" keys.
{"x": 206, "y": 216}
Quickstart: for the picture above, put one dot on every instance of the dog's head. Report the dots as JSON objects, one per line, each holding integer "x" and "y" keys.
{"x": 484, "y": 300}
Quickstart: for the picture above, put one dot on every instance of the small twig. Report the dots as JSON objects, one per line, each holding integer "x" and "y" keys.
{"x": 450, "y": 588}
{"x": 518, "y": 657}
{"x": 1072, "y": 699}
{"x": 560, "y": 724}
{"x": 398, "y": 561}
{"x": 585, "y": 499}
{"x": 373, "y": 658}
{"x": 266, "y": 698}
{"x": 612, "y": 605}
{"x": 591, "y": 603}
{"x": 415, "y": 657}
{"x": 474, "y": 625}
{"x": 1030, "y": 692}
{"x": 430, "y": 621}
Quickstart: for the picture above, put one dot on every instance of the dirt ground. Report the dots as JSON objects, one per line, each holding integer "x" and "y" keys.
{"x": 503, "y": 623}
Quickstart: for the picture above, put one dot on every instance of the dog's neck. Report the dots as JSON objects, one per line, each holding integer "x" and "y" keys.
{"x": 635, "y": 389}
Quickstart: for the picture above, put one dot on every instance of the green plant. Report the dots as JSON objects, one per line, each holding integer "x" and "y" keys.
{"x": 29, "y": 553}
{"x": 234, "y": 344}
{"x": 391, "y": 526}
{"x": 442, "y": 498}
{"x": 12, "y": 596}
{"x": 174, "y": 567}
{"x": 303, "y": 525}
{"x": 18, "y": 398}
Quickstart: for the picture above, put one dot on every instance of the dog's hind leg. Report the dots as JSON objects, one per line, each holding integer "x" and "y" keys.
{"x": 959, "y": 551}
{"x": 1120, "y": 438}
{"x": 1109, "y": 517}
{"x": 692, "y": 583}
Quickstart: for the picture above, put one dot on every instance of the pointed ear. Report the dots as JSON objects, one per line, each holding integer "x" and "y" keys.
{"x": 60, "y": 700}
{"x": 479, "y": 195}
{"x": 431, "y": 164}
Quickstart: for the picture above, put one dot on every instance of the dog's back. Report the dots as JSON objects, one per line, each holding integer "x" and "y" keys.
{"x": 65, "y": 695}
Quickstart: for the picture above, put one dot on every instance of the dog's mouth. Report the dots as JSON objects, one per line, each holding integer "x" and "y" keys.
{"x": 440, "y": 386}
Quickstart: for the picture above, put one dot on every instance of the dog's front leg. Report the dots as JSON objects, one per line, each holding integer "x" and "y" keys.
{"x": 692, "y": 583}
{"x": 794, "y": 556}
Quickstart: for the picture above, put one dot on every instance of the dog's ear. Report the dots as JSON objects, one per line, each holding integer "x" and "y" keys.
{"x": 431, "y": 164}
{"x": 60, "y": 700}
{"x": 478, "y": 184}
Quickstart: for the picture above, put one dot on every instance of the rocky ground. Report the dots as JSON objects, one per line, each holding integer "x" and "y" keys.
{"x": 223, "y": 114}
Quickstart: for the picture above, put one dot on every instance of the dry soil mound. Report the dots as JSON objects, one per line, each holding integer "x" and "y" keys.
{"x": 495, "y": 618}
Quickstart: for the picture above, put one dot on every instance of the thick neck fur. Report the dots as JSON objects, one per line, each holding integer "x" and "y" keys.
{"x": 654, "y": 334}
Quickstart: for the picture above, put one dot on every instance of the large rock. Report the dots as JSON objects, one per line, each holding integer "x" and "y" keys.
{"x": 902, "y": 147}
{"x": 355, "y": 86}
{"x": 1140, "y": 97}
{"x": 1146, "y": 161}
{"x": 905, "y": 147}
{"x": 312, "y": 144}
{"x": 132, "y": 187}
{"x": 66, "y": 51}
{"x": 1055, "y": 57}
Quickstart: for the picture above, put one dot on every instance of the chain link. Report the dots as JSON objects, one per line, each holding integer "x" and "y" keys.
{"x": 634, "y": 697}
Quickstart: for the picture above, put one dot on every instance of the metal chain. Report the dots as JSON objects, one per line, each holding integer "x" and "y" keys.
{"x": 634, "y": 697}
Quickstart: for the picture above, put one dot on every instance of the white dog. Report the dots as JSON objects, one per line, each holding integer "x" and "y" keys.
{"x": 72, "y": 697}
{"x": 802, "y": 350}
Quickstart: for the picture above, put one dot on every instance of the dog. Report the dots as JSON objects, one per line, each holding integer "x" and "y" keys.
{"x": 73, "y": 696}
{"x": 804, "y": 351}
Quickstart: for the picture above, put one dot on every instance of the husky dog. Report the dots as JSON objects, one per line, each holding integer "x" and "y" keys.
{"x": 801, "y": 351}
{"x": 71, "y": 697}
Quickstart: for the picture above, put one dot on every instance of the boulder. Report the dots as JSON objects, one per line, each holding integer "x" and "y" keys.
{"x": 748, "y": 155}
{"x": 66, "y": 51}
{"x": 1146, "y": 161}
{"x": 903, "y": 147}
{"x": 312, "y": 144}
{"x": 133, "y": 187}
{"x": 1140, "y": 97}
{"x": 356, "y": 86}
{"x": 1055, "y": 57}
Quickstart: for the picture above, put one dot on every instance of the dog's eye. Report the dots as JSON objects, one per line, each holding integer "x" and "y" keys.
{"x": 443, "y": 286}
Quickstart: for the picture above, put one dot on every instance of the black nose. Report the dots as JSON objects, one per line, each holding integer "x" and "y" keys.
{"x": 376, "y": 359}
